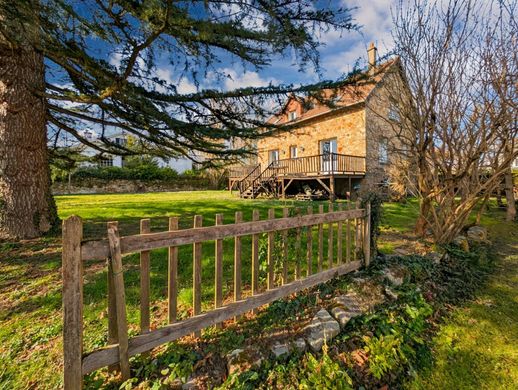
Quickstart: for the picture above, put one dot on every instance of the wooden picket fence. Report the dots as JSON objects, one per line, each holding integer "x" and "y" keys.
{"x": 355, "y": 223}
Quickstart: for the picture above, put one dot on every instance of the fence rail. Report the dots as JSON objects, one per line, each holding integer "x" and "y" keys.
{"x": 355, "y": 223}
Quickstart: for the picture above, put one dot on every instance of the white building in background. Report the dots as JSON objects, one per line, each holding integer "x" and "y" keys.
{"x": 180, "y": 165}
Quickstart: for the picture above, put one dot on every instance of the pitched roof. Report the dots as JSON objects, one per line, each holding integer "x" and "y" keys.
{"x": 346, "y": 96}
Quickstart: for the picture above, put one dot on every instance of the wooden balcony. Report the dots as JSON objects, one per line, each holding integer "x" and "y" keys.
{"x": 280, "y": 174}
{"x": 320, "y": 165}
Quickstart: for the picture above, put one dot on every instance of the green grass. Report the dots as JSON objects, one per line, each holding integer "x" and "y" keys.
{"x": 477, "y": 345}
{"x": 30, "y": 282}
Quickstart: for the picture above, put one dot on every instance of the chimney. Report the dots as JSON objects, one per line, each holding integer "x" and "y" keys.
{"x": 372, "y": 52}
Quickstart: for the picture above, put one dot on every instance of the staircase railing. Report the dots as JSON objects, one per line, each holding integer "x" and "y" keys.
{"x": 270, "y": 172}
{"x": 246, "y": 182}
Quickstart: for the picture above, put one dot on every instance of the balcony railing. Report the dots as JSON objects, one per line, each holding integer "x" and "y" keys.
{"x": 237, "y": 172}
{"x": 321, "y": 164}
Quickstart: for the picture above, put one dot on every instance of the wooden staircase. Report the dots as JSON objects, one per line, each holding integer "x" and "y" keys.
{"x": 261, "y": 183}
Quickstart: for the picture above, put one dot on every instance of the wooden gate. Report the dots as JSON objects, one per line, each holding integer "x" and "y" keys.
{"x": 353, "y": 224}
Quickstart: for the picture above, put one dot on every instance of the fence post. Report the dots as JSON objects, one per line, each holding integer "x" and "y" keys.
{"x": 72, "y": 303}
{"x": 144, "y": 281}
{"x": 367, "y": 235}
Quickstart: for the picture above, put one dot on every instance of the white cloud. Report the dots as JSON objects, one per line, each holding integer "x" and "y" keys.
{"x": 244, "y": 79}
{"x": 115, "y": 59}
{"x": 183, "y": 86}
{"x": 344, "y": 50}
{"x": 375, "y": 18}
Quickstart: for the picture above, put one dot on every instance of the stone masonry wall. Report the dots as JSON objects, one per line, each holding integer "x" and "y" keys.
{"x": 348, "y": 127}
{"x": 378, "y": 126}
{"x": 97, "y": 186}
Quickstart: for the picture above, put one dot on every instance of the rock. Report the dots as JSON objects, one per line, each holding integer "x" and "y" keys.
{"x": 342, "y": 316}
{"x": 349, "y": 301}
{"x": 243, "y": 359}
{"x": 280, "y": 350}
{"x": 190, "y": 385}
{"x": 461, "y": 242}
{"x": 321, "y": 328}
{"x": 401, "y": 251}
{"x": 391, "y": 294}
{"x": 435, "y": 257}
{"x": 393, "y": 276}
{"x": 477, "y": 234}
{"x": 299, "y": 345}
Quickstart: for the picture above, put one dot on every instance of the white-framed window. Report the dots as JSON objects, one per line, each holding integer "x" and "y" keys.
{"x": 120, "y": 141}
{"x": 383, "y": 151}
{"x": 292, "y": 115}
{"x": 294, "y": 152}
{"x": 106, "y": 162}
{"x": 273, "y": 155}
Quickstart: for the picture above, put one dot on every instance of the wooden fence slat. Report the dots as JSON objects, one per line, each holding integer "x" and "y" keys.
{"x": 271, "y": 244}
{"x": 218, "y": 272}
{"x": 367, "y": 235}
{"x": 172, "y": 275}
{"x": 99, "y": 249}
{"x": 320, "y": 240}
{"x": 309, "y": 245}
{"x": 255, "y": 256}
{"x": 144, "y": 280}
{"x": 330, "y": 240}
{"x": 297, "y": 248}
{"x": 196, "y": 272}
{"x": 339, "y": 237}
{"x": 112, "y": 311}
{"x": 72, "y": 303}
{"x": 285, "y": 243}
{"x": 143, "y": 343}
{"x": 237, "y": 260}
{"x": 120, "y": 298}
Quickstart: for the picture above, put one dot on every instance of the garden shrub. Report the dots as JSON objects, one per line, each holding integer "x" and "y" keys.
{"x": 140, "y": 172}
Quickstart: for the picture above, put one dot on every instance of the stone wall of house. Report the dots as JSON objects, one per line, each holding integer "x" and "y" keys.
{"x": 347, "y": 126}
{"x": 98, "y": 186}
{"x": 378, "y": 127}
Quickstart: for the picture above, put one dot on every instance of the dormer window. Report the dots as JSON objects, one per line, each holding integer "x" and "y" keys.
{"x": 292, "y": 115}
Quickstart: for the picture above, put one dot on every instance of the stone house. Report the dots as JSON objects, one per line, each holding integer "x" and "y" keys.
{"x": 338, "y": 147}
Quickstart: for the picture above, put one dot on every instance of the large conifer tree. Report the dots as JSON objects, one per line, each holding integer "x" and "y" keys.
{"x": 70, "y": 65}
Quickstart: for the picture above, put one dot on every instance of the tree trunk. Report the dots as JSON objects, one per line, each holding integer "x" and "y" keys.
{"x": 509, "y": 195}
{"x": 424, "y": 203}
{"x": 27, "y": 208}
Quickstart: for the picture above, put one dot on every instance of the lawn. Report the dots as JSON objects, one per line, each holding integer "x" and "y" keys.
{"x": 30, "y": 283}
{"x": 477, "y": 345}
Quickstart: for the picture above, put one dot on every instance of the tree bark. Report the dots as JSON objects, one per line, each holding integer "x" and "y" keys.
{"x": 27, "y": 208}
{"x": 509, "y": 195}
